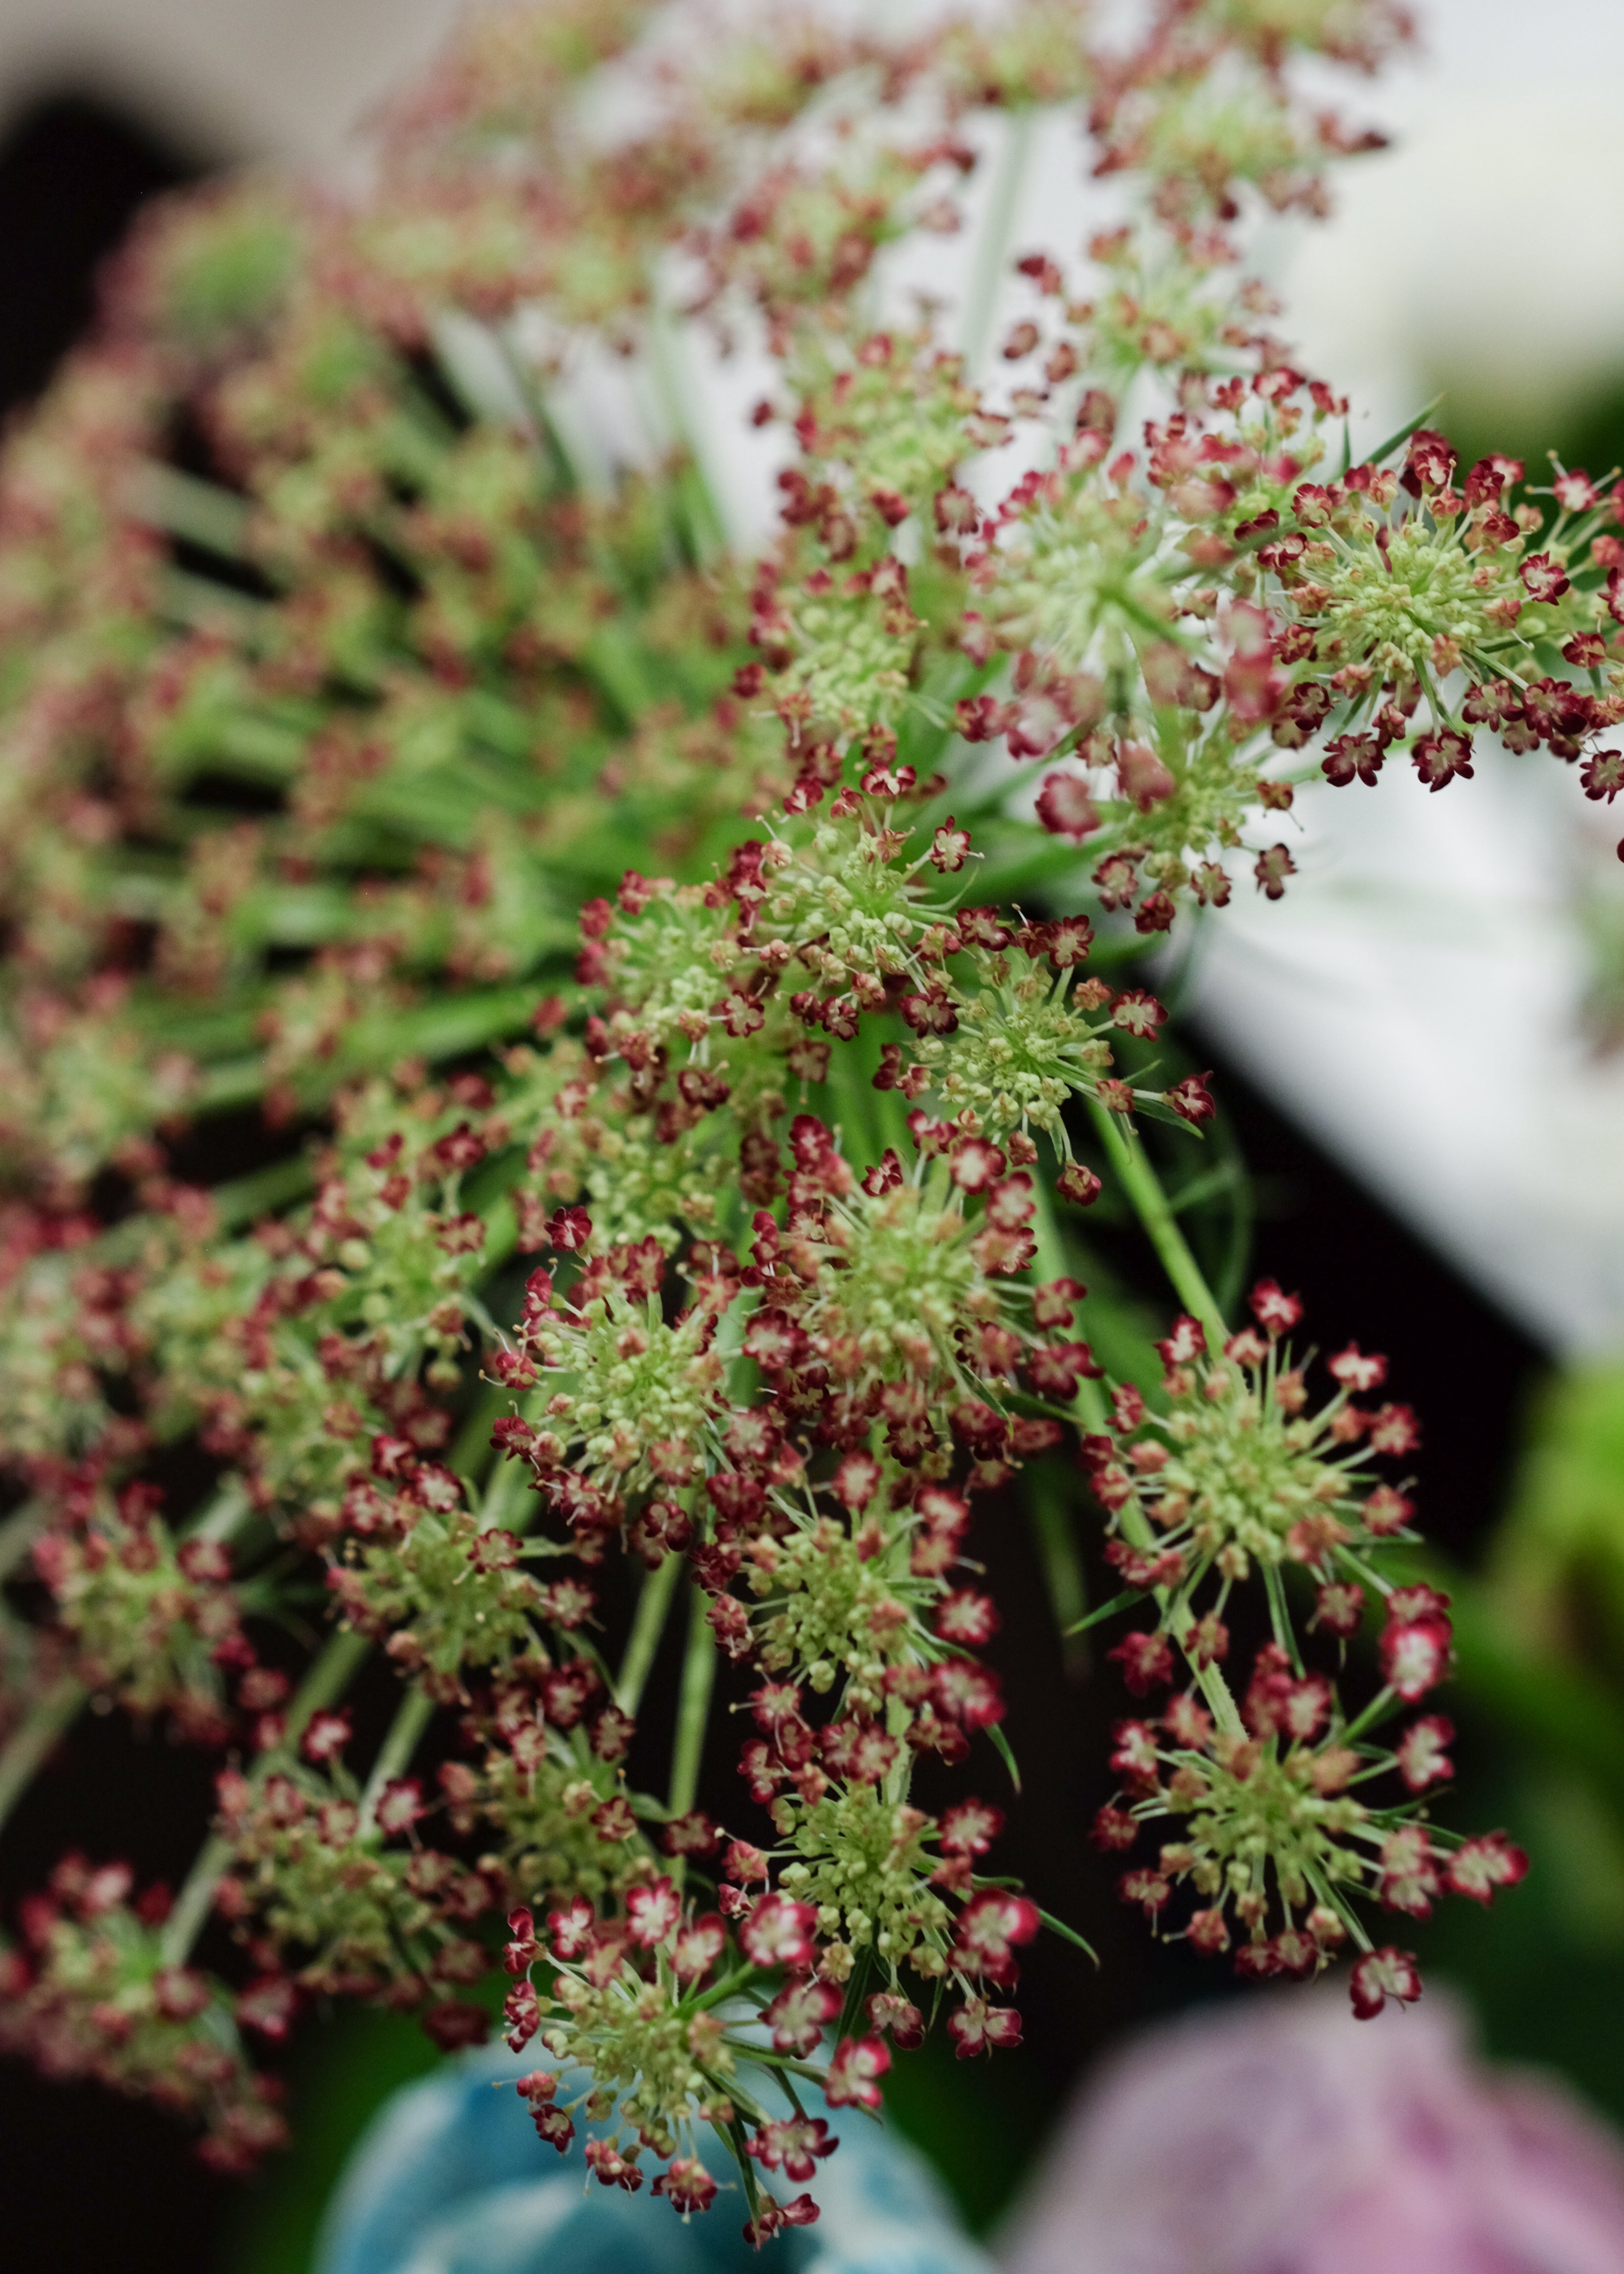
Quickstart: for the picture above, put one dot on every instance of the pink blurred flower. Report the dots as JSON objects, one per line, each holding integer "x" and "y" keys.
{"x": 1284, "y": 2137}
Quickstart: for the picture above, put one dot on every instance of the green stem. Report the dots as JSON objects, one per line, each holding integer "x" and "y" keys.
{"x": 470, "y": 1453}
{"x": 1062, "y": 1567}
{"x": 722, "y": 1989}
{"x": 412, "y": 1717}
{"x": 435, "y": 1030}
{"x": 32, "y": 1740}
{"x": 329, "y": 1675}
{"x": 1379, "y": 1706}
{"x": 993, "y": 241}
{"x": 245, "y": 1199}
{"x": 693, "y": 1705}
{"x": 673, "y": 390}
{"x": 648, "y": 1625}
{"x": 227, "y": 1514}
{"x": 1139, "y": 1182}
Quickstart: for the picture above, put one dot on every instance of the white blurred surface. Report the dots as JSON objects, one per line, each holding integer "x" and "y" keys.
{"x": 255, "y": 78}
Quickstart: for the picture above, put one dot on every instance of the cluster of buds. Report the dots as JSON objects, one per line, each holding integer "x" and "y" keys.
{"x": 671, "y": 2019}
{"x": 155, "y": 1623}
{"x": 346, "y": 693}
{"x": 1273, "y": 1843}
{"x": 329, "y": 1906}
{"x": 1289, "y": 1809}
{"x": 90, "y": 1993}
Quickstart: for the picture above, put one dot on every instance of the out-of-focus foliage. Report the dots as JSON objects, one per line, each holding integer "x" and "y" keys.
{"x": 1558, "y": 1567}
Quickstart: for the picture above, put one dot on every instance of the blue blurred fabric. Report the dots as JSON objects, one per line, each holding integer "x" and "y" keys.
{"x": 451, "y": 2179}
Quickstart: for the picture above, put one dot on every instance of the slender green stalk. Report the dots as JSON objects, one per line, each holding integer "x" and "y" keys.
{"x": 1149, "y": 1202}
{"x": 226, "y": 1514}
{"x": 1062, "y": 1567}
{"x": 329, "y": 1675}
{"x": 469, "y": 1457}
{"x": 1379, "y": 1706}
{"x": 673, "y": 389}
{"x": 857, "y": 1108}
{"x": 435, "y": 1030}
{"x": 993, "y": 241}
{"x": 32, "y": 1740}
{"x": 693, "y": 1705}
{"x": 412, "y": 1717}
{"x": 264, "y": 1190}
{"x": 648, "y": 1625}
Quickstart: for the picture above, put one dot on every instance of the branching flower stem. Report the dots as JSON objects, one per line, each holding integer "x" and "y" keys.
{"x": 32, "y": 1740}
{"x": 654, "y": 1602}
{"x": 994, "y": 236}
{"x": 412, "y": 1717}
{"x": 1150, "y": 1204}
{"x": 693, "y": 1705}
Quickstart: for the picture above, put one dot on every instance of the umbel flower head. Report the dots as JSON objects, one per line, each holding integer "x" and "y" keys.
{"x": 1288, "y": 1810}
{"x": 530, "y": 1039}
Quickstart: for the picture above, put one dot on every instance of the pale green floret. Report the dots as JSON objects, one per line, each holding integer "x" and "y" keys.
{"x": 634, "y": 2033}
{"x": 1264, "y": 1811}
{"x": 836, "y": 1611}
{"x": 1077, "y": 574}
{"x": 52, "y": 1399}
{"x": 1389, "y": 613}
{"x": 1241, "y": 1473}
{"x": 907, "y": 1282}
{"x": 400, "y": 1279}
{"x": 74, "y": 1101}
{"x": 670, "y": 963}
{"x": 429, "y": 1589}
{"x": 641, "y": 1383}
{"x": 550, "y": 1844}
{"x": 899, "y": 425}
{"x": 860, "y": 911}
{"x": 638, "y": 1187}
{"x": 852, "y": 671}
{"x": 862, "y": 1861}
{"x": 1166, "y": 314}
{"x": 643, "y": 2047}
{"x": 1018, "y": 1055}
{"x": 1215, "y": 794}
{"x": 1222, "y": 128}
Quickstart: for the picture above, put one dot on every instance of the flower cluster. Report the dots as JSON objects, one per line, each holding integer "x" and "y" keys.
{"x": 389, "y": 770}
{"x": 154, "y": 1623}
{"x": 90, "y": 1993}
{"x": 1286, "y": 1810}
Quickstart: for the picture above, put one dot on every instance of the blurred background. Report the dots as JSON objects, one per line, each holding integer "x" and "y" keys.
{"x": 1421, "y": 1049}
